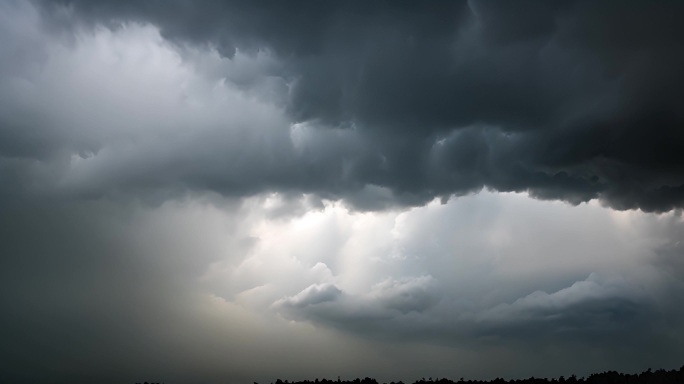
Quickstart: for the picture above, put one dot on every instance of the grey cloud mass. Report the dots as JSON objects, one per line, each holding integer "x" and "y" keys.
{"x": 570, "y": 100}
{"x": 239, "y": 191}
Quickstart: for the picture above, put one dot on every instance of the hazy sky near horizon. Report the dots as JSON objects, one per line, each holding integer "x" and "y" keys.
{"x": 239, "y": 191}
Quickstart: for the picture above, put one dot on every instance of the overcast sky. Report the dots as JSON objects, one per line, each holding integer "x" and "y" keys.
{"x": 239, "y": 191}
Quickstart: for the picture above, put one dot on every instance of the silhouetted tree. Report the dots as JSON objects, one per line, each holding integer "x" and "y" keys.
{"x": 649, "y": 376}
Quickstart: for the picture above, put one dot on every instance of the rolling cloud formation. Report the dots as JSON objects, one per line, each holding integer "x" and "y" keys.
{"x": 378, "y": 103}
{"x": 244, "y": 190}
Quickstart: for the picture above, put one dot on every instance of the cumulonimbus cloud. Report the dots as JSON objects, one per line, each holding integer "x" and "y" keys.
{"x": 335, "y": 133}
{"x": 412, "y": 102}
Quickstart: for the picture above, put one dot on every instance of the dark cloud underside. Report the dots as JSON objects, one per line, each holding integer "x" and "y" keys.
{"x": 570, "y": 100}
{"x": 181, "y": 187}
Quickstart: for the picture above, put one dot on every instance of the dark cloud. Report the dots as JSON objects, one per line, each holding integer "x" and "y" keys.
{"x": 569, "y": 100}
{"x": 119, "y": 118}
{"x": 595, "y": 310}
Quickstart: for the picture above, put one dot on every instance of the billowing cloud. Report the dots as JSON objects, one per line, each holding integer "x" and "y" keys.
{"x": 314, "y": 294}
{"x": 464, "y": 272}
{"x": 249, "y": 190}
{"x": 444, "y": 99}
{"x": 223, "y": 290}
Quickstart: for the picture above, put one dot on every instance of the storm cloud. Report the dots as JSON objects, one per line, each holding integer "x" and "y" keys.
{"x": 246, "y": 190}
{"x": 566, "y": 100}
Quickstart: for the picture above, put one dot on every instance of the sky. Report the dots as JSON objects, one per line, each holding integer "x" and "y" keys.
{"x": 240, "y": 191}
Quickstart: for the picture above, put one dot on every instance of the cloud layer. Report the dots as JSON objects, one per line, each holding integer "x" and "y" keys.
{"x": 226, "y": 290}
{"x": 249, "y": 190}
{"x": 443, "y": 99}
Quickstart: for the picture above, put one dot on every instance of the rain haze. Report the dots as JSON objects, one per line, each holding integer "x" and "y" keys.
{"x": 240, "y": 191}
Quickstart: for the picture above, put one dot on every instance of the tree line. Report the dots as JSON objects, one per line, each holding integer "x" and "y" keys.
{"x": 659, "y": 376}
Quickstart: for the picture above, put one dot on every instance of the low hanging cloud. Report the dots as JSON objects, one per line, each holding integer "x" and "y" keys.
{"x": 379, "y": 104}
{"x": 248, "y": 190}
{"x": 312, "y": 295}
{"x": 590, "y": 309}
{"x": 226, "y": 290}
{"x": 465, "y": 273}
{"x": 590, "y": 275}
{"x": 385, "y": 300}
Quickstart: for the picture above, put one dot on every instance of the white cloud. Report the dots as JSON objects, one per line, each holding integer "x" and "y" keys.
{"x": 312, "y": 295}
{"x": 443, "y": 269}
